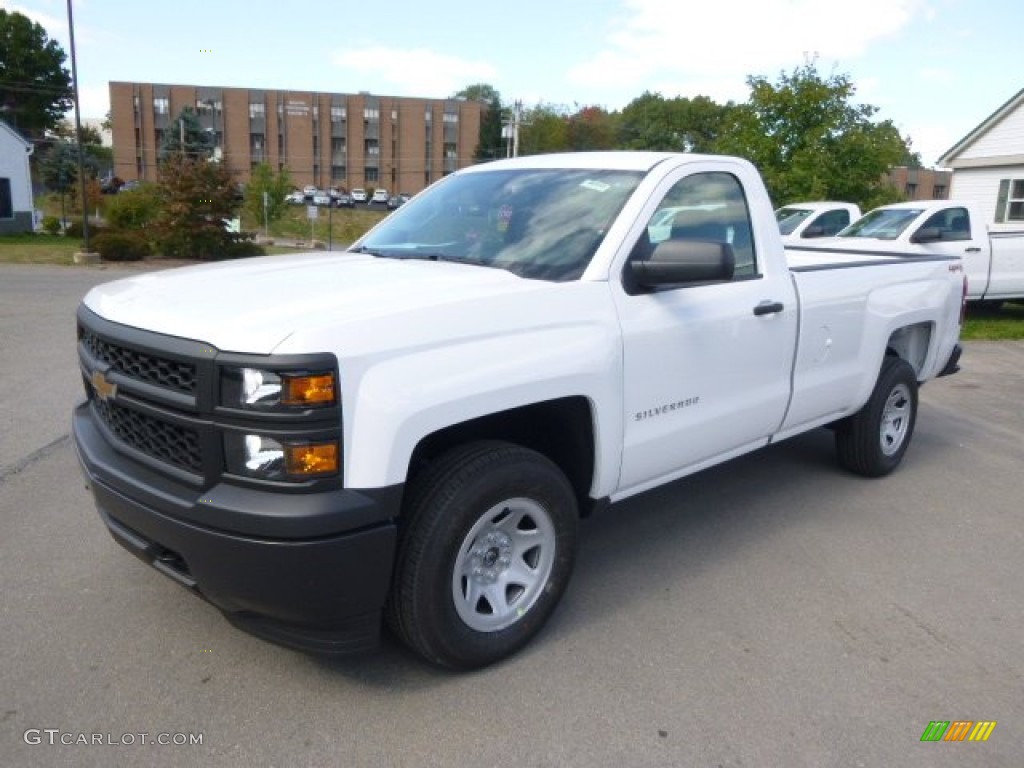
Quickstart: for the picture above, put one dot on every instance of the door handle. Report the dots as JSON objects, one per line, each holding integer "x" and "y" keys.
{"x": 972, "y": 249}
{"x": 767, "y": 307}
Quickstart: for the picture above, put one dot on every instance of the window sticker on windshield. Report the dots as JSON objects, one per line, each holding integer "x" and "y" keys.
{"x": 597, "y": 186}
{"x": 504, "y": 216}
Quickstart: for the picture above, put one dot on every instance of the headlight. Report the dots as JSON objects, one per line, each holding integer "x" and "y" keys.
{"x": 254, "y": 388}
{"x": 267, "y": 458}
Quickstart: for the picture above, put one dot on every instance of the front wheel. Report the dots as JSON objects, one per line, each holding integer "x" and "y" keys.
{"x": 872, "y": 441}
{"x": 485, "y": 556}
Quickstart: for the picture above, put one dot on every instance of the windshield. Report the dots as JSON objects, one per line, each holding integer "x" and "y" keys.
{"x": 790, "y": 218}
{"x": 882, "y": 223}
{"x": 543, "y": 224}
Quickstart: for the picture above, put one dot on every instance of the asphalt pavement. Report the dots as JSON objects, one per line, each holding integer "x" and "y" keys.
{"x": 772, "y": 611}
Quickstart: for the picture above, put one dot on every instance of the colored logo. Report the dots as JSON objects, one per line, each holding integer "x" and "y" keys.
{"x": 104, "y": 389}
{"x": 958, "y": 730}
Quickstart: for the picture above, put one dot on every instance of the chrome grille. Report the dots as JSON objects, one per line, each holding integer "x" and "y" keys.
{"x": 167, "y": 442}
{"x": 163, "y": 372}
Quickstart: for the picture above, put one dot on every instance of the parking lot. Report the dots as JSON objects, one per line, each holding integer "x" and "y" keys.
{"x": 773, "y": 611}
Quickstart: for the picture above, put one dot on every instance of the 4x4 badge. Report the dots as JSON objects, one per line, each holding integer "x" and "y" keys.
{"x": 105, "y": 390}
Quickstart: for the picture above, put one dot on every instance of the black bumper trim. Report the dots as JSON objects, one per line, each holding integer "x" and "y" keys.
{"x": 953, "y": 364}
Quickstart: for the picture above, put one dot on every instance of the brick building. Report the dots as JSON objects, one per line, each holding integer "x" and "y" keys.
{"x": 920, "y": 183}
{"x": 323, "y": 139}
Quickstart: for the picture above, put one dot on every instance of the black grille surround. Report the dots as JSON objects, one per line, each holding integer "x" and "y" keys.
{"x": 160, "y": 371}
{"x": 156, "y": 399}
{"x": 159, "y": 439}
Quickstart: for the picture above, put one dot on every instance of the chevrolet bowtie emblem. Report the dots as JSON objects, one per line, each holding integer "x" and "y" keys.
{"x": 104, "y": 389}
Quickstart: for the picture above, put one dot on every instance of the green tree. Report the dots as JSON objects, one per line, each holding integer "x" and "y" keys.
{"x": 198, "y": 141}
{"x": 59, "y": 169}
{"x": 652, "y": 122}
{"x": 35, "y": 88}
{"x": 490, "y": 145}
{"x": 196, "y": 196}
{"x": 545, "y": 129}
{"x": 275, "y": 185}
{"x": 591, "y": 128}
{"x": 811, "y": 141}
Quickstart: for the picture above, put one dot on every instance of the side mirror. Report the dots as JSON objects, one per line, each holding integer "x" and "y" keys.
{"x": 679, "y": 262}
{"x": 815, "y": 230}
{"x": 927, "y": 235}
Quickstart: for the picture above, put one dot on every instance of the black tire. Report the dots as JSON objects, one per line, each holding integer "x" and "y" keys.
{"x": 454, "y": 548}
{"x": 872, "y": 441}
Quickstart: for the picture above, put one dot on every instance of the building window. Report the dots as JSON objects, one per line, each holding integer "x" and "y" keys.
{"x": 372, "y": 147}
{"x": 161, "y": 106}
{"x": 256, "y": 110}
{"x": 939, "y": 192}
{"x": 449, "y": 151}
{"x": 256, "y": 147}
{"x": 6, "y": 200}
{"x": 451, "y": 117}
{"x": 1015, "y": 205}
{"x": 372, "y": 174}
{"x": 428, "y": 115}
{"x": 394, "y": 114}
{"x": 338, "y": 149}
{"x": 338, "y": 173}
{"x": 338, "y": 113}
{"x": 911, "y": 191}
{"x": 371, "y": 113}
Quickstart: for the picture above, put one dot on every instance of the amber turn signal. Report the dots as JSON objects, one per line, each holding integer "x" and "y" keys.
{"x": 312, "y": 459}
{"x": 308, "y": 390}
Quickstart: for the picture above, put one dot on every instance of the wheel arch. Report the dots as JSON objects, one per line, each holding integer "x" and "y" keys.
{"x": 561, "y": 429}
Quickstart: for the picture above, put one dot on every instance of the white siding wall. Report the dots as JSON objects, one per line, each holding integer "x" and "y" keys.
{"x": 1004, "y": 138}
{"x": 981, "y": 185}
{"x": 14, "y": 166}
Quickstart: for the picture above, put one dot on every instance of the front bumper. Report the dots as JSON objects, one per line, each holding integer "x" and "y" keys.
{"x": 309, "y": 571}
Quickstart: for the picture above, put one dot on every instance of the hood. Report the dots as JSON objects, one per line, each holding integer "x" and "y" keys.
{"x": 255, "y": 305}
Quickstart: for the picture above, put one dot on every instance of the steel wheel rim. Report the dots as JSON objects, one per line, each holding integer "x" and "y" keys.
{"x": 503, "y": 564}
{"x": 895, "y": 419}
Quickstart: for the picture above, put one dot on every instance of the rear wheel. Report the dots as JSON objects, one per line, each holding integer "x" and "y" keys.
{"x": 872, "y": 441}
{"x": 486, "y": 554}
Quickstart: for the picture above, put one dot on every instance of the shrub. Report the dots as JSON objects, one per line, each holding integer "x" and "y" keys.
{"x": 135, "y": 209}
{"x": 121, "y": 245}
{"x": 243, "y": 245}
{"x": 74, "y": 229}
{"x": 51, "y": 225}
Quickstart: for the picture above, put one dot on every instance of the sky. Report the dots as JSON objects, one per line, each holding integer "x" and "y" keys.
{"x": 935, "y": 68}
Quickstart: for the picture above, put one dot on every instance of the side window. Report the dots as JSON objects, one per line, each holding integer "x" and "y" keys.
{"x": 952, "y": 223}
{"x": 833, "y": 221}
{"x": 6, "y": 202}
{"x": 709, "y": 207}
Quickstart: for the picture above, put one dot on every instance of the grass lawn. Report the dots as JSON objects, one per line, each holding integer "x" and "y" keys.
{"x": 1007, "y": 322}
{"x": 38, "y": 249}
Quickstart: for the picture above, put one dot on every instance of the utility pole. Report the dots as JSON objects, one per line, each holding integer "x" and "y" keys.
{"x": 510, "y": 129}
{"x": 86, "y": 253}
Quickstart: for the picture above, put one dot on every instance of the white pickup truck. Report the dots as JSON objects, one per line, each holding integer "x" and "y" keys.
{"x": 800, "y": 222}
{"x": 993, "y": 262}
{"x": 411, "y": 429}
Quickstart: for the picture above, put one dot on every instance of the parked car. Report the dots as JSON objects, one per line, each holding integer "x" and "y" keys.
{"x": 379, "y": 196}
{"x": 344, "y": 200}
{"x": 805, "y": 221}
{"x": 309, "y": 191}
{"x": 395, "y": 201}
{"x": 412, "y": 429}
{"x": 128, "y": 186}
{"x": 358, "y": 195}
{"x": 295, "y": 198}
{"x": 321, "y": 198}
{"x": 992, "y": 261}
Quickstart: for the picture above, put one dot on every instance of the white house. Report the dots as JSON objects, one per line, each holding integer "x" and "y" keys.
{"x": 988, "y": 166}
{"x": 15, "y": 182}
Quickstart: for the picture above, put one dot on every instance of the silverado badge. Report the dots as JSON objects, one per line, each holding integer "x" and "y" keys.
{"x": 105, "y": 390}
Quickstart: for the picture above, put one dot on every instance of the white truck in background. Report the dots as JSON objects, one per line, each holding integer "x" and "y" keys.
{"x": 411, "y": 430}
{"x": 800, "y": 222}
{"x": 993, "y": 261}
